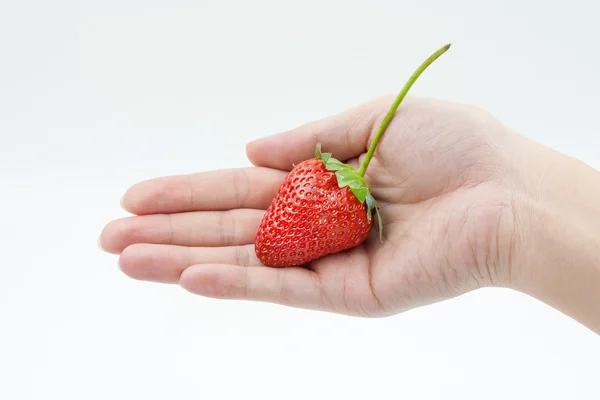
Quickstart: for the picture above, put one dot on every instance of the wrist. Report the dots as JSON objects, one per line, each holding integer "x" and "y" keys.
{"x": 558, "y": 240}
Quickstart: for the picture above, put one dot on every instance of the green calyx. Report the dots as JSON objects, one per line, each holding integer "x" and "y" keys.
{"x": 354, "y": 179}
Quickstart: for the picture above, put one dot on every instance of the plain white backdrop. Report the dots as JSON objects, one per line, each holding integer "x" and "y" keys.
{"x": 97, "y": 95}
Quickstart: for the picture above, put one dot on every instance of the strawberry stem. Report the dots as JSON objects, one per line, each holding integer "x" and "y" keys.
{"x": 390, "y": 114}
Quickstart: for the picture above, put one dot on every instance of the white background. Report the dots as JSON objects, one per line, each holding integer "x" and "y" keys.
{"x": 97, "y": 95}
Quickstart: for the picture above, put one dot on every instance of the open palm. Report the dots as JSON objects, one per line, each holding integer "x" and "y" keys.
{"x": 438, "y": 177}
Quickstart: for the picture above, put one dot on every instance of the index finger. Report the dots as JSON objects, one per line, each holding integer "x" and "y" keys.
{"x": 345, "y": 135}
{"x": 218, "y": 190}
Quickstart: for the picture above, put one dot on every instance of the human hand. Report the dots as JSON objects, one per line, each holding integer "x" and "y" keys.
{"x": 443, "y": 178}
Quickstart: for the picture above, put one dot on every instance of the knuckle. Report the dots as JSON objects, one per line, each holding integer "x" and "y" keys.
{"x": 242, "y": 256}
{"x": 226, "y": 228}
{"x": 283, "y": 286}
{"x": 241, "y": 187}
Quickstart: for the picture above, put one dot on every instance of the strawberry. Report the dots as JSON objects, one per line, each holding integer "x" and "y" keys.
{"x": 311, "y": 216}
{"x": 323, "y": 205}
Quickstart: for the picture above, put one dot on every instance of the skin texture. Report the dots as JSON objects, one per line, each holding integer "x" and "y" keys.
{"x": 461, "y": 197}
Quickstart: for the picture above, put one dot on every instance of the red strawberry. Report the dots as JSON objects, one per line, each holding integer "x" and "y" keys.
{"x": 310, "y": 217}
{"x": 323, "y": 206}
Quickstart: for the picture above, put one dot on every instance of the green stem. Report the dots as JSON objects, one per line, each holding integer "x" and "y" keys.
{"x": 394, "y": 107}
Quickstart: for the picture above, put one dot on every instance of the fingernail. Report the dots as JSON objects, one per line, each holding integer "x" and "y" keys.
{"x": 122, "y": 202}
{"x": 99, "y": 244}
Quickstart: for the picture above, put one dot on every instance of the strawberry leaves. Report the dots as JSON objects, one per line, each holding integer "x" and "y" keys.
{"x": 348, "y": 176}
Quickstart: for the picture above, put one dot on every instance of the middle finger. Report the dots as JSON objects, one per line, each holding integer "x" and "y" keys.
{"x": 165, "y": 263}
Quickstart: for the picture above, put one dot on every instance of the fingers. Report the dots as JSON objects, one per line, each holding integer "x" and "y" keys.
{"x": 345, "y": 135}
{"x": 165, "y": 263}
{"x": 296, "y": 287}
{"x": 220, "y": 272}
{"x": 204, "y": 228}
{"x": 213, "y": 190}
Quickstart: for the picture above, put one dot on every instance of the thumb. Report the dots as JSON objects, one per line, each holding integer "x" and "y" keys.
{"x": 345, "y": 135}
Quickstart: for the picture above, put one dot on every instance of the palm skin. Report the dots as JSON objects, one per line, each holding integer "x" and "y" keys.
{"x": 441, "y": 179}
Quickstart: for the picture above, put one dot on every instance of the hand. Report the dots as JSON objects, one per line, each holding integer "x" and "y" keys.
{"x": 442, "y": 177}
